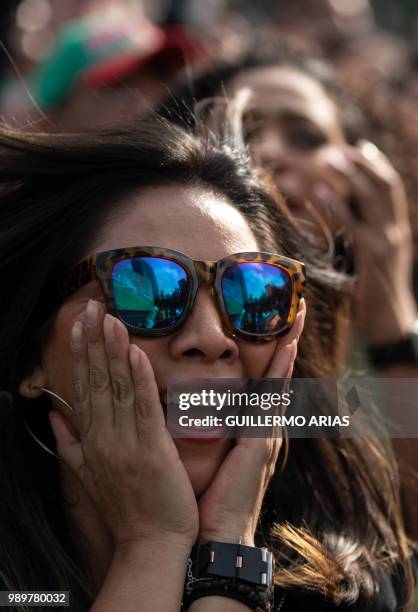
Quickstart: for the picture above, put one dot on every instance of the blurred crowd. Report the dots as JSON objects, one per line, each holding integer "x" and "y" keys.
{"x": 84, "y": 63}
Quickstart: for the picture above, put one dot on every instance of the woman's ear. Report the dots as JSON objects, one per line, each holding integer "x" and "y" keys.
{"x": 30, "y": 387}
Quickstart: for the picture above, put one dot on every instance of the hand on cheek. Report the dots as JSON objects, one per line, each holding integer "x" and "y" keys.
{"x": 230, "y": 507}
{"x": 124, "y": 450}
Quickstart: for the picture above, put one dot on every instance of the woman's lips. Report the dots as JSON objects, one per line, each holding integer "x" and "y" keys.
{"x": 193, "y": 435}
{"x": 196, "y": 433}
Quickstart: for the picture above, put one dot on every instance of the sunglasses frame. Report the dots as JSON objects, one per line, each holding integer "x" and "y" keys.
{"x": 99, "y": 266}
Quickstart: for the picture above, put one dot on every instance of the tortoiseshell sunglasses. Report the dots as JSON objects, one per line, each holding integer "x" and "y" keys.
{"x": 152, "y": 289}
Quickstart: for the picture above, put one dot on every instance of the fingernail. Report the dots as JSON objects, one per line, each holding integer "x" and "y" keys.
{"x": 109, "y": 328}
{"x": 369, "y": 150}
{"x": 293, "y": 349}
{"x": 134, "y": 355}
{"x": 300, "y": 319}
{"x": 360, "y": 142}
{"x": 300, "y": 315}
{"x": 91, "y": 313}
{"x": 77, "y": 335}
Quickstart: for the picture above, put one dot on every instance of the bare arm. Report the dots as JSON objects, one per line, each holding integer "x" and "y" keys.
{"x": 148, "y": 576}
{"x": 121, "y": 454}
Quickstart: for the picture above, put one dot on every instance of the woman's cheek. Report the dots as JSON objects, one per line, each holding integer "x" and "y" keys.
{"x": 57, "y": 358}
{"x": 295, "y": 183}
{"x": 309, "y": 167}
{"x": 157, "y": 351}
{"x": 256, "y": 357}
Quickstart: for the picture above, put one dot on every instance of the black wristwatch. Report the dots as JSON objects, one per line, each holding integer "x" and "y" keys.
{"x": 400, "y": 352}
{"x": 231, "y": 570}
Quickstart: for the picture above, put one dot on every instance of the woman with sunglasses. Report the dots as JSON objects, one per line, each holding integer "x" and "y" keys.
{"x": 128, "y": 260}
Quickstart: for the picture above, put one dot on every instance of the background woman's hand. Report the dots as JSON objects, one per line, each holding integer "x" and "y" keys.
{"x": 124, "y": 455}
{"x": 367, "y": 198}
{"x": 230, "y": 507}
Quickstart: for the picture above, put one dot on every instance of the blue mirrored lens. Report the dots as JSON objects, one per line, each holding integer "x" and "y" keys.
{"x": 257, "y": 296}
{"x": 150, "y": 292}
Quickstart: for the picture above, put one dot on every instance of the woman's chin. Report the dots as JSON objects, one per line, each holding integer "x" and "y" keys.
{"x": 201, "y": 462}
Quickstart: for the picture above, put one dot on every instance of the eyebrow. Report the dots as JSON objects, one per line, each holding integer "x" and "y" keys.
{"x": 291, "y": 115}
{"x": 287, "y": 115}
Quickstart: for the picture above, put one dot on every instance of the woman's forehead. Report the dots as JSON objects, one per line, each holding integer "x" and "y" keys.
{"x": 195, "y": 221}
{"x": 280, "y": 89}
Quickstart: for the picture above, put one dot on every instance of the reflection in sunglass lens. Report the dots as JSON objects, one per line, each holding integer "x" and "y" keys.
{"x": 257, "y": 296}
{"x": 150, "y": 292}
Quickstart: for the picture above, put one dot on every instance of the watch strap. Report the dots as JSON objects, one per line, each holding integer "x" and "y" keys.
{"x": 230, "y": 570}
{"x": 254, "y": 599}
{"x": 229, "y": 560}
{"x": 400, "y": 352}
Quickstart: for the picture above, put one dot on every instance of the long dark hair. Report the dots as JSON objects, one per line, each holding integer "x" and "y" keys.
{"x": 335, "y": 510}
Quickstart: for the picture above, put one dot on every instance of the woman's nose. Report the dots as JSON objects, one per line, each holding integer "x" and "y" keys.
{"x": 203, "y": 336}
{"x": 270, "y": 150}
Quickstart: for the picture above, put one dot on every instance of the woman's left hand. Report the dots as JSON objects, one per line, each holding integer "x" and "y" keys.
{"x": 229, "y": 509}
{"x": 381, "y": 231}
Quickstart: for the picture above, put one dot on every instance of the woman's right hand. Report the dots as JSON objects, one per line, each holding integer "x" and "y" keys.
{"x": 123, "y": 454}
